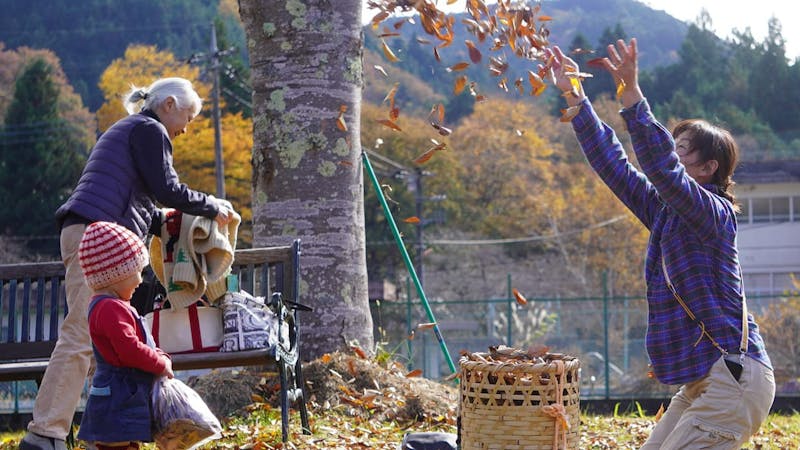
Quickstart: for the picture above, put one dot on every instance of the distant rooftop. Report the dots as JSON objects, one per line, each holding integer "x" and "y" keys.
{"x": 759, "y": 172}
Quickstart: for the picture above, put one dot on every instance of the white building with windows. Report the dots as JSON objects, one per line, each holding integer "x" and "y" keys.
{"x": 769, "y": 226}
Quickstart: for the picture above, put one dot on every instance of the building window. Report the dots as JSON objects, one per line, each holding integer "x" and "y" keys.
{"x": 760, "y": 210}
{"x": 780, "y": 208}
{"x": 775, "y": 209}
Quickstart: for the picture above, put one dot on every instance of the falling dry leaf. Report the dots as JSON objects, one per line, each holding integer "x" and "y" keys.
{"x": 390, "y": 95}
{"x": 388, "y": 53}
{"x": 660, "y": 413}
{"x": 412, "y": 219}
{"x": 380, "y": 70}
{"x": 460, "y": 84}
{"x": 340, "y": 120}
{"x": 537, "y": 85}
{"x": 474, "y": 54}
{"x": 388, "y": 123}
{"x": 457, "y": 67}
{"x": 595, "y": 62}
{"x": 569, "y": 113}
{"x": 426, "y": 326}
{"x": 620, "y": 88}
{"x": 521, "y": 300}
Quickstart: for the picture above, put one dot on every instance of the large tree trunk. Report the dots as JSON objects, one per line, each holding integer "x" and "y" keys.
{"x": 307, "y": 180}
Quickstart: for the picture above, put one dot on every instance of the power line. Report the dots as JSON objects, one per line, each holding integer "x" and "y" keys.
{"x": 526, "y": 238}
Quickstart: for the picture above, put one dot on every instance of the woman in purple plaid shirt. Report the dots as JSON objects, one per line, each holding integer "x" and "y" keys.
{"x": 699, "y": 334}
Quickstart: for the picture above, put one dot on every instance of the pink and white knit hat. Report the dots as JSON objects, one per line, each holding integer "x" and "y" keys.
{"x": 109, "y": 253}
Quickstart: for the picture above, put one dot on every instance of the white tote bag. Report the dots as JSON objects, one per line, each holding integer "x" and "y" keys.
{"x": 194, "y": 329}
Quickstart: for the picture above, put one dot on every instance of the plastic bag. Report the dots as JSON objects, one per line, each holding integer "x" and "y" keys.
{"x": 182, "y": 420}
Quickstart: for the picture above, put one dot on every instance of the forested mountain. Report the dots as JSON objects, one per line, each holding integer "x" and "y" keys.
{"x": 87, "y": 35}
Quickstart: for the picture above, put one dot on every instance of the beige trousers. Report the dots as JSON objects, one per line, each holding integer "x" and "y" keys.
{"x": 72, "y": 357}
{"x": 716, "y": 412}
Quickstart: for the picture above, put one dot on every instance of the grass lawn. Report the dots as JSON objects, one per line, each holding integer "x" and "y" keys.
{"x": 338, "y": 429}
{"x": 357, "y": 403}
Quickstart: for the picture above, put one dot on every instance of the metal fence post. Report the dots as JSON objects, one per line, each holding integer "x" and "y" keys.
{"x": 605, "y": 334}
{"x": 510, "y": 297}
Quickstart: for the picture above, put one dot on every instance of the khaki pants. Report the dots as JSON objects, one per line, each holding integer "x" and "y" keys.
{"x": 69, "y": 364}
{"x": 716, "y": 412}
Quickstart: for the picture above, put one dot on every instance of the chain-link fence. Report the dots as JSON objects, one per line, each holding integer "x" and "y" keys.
{"x": 606, "y": 333}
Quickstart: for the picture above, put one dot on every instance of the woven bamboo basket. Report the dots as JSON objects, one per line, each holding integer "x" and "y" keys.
{"x": 514, "y": 405}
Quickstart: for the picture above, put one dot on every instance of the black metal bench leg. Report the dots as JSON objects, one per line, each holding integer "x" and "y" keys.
{"x": 302, "y": 399}
{"x": 282, "y": 370}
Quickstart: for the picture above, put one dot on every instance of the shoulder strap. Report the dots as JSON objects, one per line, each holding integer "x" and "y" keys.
{"x": 689, "y": 312}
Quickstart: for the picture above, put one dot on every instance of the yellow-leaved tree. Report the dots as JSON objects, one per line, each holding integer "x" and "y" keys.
{"x": 194, "y": 151}
{"x": 140, "y": 66}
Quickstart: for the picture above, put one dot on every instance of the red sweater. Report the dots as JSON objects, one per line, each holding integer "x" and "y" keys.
{"x": 115, "y": 333}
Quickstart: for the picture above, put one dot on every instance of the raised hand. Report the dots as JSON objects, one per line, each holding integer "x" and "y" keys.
{"x": 623, "y": 65}
{"x": 561, "y": 68}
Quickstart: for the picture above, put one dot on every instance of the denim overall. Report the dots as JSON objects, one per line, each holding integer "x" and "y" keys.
{"x": 118, "y": 408}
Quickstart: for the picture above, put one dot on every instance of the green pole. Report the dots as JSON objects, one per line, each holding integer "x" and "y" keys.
{"x": 409, "y": 266}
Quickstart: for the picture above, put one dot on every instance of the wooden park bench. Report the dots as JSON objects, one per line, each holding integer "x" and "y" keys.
{"x": 33, "y": 305}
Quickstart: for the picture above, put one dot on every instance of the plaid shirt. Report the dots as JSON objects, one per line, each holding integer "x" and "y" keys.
{"x": 692, "y": 228}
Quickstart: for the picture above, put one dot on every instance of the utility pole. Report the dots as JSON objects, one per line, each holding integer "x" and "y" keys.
{"x": 420, "y": 225}
{"x": 218, "y": 161}
{"x": 213, "y": 63}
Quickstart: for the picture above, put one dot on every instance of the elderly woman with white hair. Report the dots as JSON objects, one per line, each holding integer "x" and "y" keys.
{"x": 129, "y": 170}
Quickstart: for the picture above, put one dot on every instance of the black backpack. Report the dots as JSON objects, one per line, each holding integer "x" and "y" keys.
{"x": 148, "y": 293}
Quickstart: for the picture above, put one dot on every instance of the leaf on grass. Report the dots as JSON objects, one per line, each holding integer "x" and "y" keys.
{"x": 388, "y": 53}
{"x": 414, "y": 373}
{"x": 326, "y": 358}
{"x": 358, "y": 351}
{"x": 521, "y": 300}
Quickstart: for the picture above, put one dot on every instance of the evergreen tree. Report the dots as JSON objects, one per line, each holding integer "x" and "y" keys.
{"x": 602, "y": 83}
{"x": 41, "y": 157}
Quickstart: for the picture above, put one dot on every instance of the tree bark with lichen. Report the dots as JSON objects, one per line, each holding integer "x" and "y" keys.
{"x": 306, "y": 58}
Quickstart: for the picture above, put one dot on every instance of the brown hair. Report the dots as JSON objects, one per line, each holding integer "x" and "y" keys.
{"x": 713, "y": 142}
